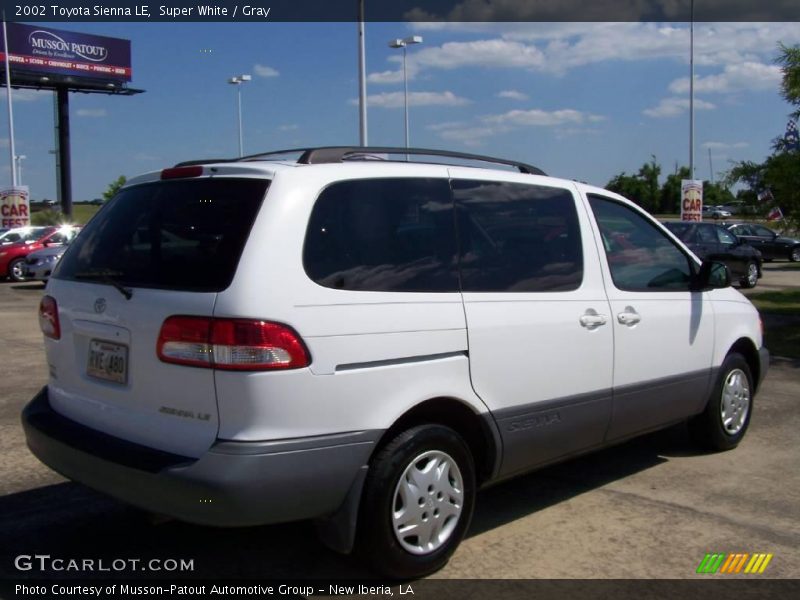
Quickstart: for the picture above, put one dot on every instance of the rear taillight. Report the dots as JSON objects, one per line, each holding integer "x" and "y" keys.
{"x": 230, "y": 344}
{"x": 48, "y": 318}
{"x": 182, "y": 172}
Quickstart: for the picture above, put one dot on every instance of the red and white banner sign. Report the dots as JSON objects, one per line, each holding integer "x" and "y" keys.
{"x": 15, "y": 207}
{"x": 691, "y": 200}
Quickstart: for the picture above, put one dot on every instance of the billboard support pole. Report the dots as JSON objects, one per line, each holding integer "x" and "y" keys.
{"x": 55, "y": 150}
{"x": 65, "y": 178}
{"x": 11, "y": 147}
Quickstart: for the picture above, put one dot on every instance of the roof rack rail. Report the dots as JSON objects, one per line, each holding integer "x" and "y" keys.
{"x": 335, "y": 154}
{"x": 332, "y": 154}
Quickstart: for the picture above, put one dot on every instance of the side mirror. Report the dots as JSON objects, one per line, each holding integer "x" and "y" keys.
{"x": 712, "y": 275}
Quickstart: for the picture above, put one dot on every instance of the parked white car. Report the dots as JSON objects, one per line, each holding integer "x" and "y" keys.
{"x": 367, "y": 343}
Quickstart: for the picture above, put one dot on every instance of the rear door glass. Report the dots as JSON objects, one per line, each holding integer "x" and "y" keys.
{"x": 383, "y": 235}
{"x": 181, "y": 235}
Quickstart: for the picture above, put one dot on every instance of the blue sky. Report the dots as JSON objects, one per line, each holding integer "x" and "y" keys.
{"x": 581, "y": 100}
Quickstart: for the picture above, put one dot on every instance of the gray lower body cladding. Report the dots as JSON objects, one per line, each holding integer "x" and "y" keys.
{"x": 233, "y": 484}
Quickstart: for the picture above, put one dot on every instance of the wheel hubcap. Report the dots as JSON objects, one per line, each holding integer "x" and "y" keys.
{"x": 428, "y": 501}
{"x": 796, "y": 255}
{"x": 752, "y": 275}
{"x": 735, "y": 402}
{"x": 16, "y": 270}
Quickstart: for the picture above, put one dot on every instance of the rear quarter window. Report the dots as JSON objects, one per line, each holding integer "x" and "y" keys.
{"x": 181, "y": 235}
{"x": 383, "y": 235}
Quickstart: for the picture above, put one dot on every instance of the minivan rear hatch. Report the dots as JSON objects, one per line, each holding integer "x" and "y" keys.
{"x": 157, "y": 250}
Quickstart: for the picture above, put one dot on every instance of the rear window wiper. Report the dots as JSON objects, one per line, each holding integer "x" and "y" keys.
{"x": 106, "y": 276}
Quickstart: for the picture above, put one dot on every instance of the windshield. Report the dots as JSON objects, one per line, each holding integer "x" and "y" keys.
{"x": 185, "y": 235}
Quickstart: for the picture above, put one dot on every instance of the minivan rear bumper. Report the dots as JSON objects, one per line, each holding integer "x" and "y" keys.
{"x": 233, "y": 484}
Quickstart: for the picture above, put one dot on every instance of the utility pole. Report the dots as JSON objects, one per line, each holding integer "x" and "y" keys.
{"x": 362, "y": 78}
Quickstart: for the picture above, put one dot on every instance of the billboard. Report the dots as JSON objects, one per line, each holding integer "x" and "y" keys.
{"x": 48, "y": 51}
{"x": 691, "y": 200}
{"x": 15, "y": 208}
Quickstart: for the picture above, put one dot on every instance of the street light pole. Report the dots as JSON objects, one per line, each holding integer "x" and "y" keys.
{"x": 11, "y": 148}
{"x": 19, "y": 158}
{"x": 362, "y": 78}
{"x": 238, "y": 81}
{"x": 691, "y": 92}
{"x": 398, "y": 43}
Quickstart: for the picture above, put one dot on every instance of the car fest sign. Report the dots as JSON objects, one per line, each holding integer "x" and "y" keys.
{"x": 691, "y": 200}
{"x": 15, "y": 208}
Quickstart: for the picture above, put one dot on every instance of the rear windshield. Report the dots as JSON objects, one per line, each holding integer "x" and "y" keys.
{"x": 181, "y": 235}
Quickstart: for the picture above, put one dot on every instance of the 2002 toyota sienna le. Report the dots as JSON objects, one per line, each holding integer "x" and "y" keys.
{"x": 367, "y": 342}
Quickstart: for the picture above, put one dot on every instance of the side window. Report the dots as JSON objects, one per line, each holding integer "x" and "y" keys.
{"x": 383, "y": 235}
{"x": 640, "y": 257}
{"x": 762, "y": 231}
{"x": 57, "y": 238}
{"x": 517, "y": 237}
{"x": 725, "y": 237}
{"x": 743, "y": 230}
{"x": 707, "y": 234}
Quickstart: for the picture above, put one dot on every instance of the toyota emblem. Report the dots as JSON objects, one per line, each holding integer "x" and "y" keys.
{"x": 100, "y": 305}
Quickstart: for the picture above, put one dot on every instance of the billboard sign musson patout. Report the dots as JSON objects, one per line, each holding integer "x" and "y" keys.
{"x": 54, "y": 51}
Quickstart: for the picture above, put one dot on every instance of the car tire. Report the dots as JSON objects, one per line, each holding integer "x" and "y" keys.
{"x": 15, "y": 269}
{"x": 794, "y": 254}
{"x": 403, "y": 494}
{"x": 724, "y": 422}
{"x": 750, "y": 277}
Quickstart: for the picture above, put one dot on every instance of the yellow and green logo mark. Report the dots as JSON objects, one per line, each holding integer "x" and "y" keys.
{"x": 734, "y": 563}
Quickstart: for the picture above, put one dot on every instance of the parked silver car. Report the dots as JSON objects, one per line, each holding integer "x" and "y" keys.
{"x": 38, "y": 265}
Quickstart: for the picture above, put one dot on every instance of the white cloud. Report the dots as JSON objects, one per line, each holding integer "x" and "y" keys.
{"x": 22, "y": 95}
{"x": 265, "y": 71}
{"x": 736, "y": 77}
{"x": 94, "y": 113}
{"x": 386, "y": 77}
{"x": 559, "y": 47}
{"x": 724, "y": 145}
{"x": 672, "y": 107}
{"x": 290, "y": 127}
{"x": 397, "y": 99}
{"x": 497, "y": 53}
{"x": 473, "y": 134}
{"x": 541, "y": 118}
{"x": 512, "y": 95}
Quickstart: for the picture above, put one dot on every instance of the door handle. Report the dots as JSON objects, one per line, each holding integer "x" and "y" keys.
{"x": 592, "y": 320}
{"x": 629, "y": 316}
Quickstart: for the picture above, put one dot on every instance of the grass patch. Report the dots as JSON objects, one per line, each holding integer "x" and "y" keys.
{"x": 786, "y": 302}
{"x": 781, "y": 313}
{"x": 81, "y": 213}
{"x": 783, "y": 340}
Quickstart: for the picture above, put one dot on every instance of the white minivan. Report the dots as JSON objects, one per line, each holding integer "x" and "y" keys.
{"x": 366, "y": 342}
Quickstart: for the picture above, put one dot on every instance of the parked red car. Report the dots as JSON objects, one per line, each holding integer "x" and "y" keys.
{"x": 27, "y": 240}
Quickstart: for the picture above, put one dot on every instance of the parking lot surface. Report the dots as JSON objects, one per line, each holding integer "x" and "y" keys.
{"x": 650, "y": 508}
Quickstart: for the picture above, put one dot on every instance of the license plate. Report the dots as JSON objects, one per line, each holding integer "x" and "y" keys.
{"x": 108, "y": 361}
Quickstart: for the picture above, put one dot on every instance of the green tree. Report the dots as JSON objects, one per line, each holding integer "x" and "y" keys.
{"x": 670, "y": 200}
{"x": 113, "y": 187}
{"x": 717, "y": 193}
{"x": 789, "y": 60}
{"x": 648, "y": 174}
{"x": 780, "y": 172}
{"x": 626, "y": 185}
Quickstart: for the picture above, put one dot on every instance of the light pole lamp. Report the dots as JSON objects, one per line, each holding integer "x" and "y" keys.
{"x": 19, "y": 158}
{"x": 404, "y": 43}
{"x": 238, "y": 81}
